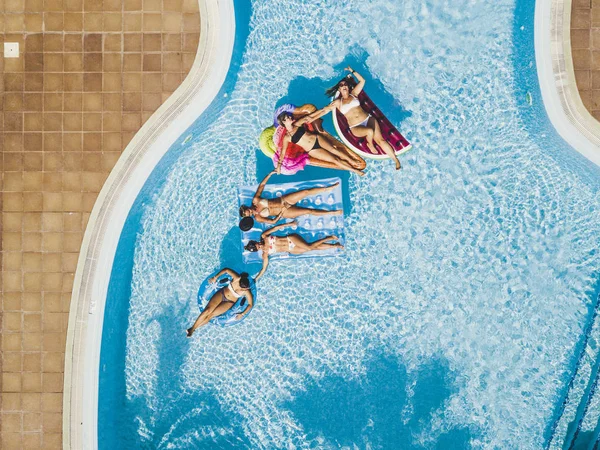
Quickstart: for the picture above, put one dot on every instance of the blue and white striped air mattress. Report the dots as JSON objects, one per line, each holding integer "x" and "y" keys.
{"x": 310, "y": 227}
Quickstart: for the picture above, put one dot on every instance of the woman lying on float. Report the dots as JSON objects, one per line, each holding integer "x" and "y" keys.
{"x": 316, "y": 146}
{"x": 368, "y": 132}
{"x": 296, "y": 158}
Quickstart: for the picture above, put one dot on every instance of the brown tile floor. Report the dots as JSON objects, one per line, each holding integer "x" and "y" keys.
{"x": 585, "y": 43}
{"x": 90, "y": 73}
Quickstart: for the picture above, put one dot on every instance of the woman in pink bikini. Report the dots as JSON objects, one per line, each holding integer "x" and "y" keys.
{"x": 224, "y": 299}
{"x": 292, "y": 243}
{"x": 361, "y": 123}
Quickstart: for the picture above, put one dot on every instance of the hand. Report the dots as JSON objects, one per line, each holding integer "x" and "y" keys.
{"x": 212, "y": 280}
{"x": 239, "y": 316}
{"x": 278, "y": 170}
{"x": 349, "y": 69}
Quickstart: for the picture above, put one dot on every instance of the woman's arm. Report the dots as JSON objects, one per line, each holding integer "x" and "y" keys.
{"x": 286, "y": 143}
{"x": 317, "y": 114}
{"x": 277, "y": 228}
{"x": 361, "y": 82}
{"x": 265, "y": 257}
{"x": 222, "y": 272}
{"x": 250, "y": 300}
{"x": 261, "y": 187}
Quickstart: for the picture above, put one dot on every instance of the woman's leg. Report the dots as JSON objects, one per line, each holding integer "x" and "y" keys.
{"x": 323, "y": 154}
{"x": 315, "y": 245}
{"x": 325, "y": 246}
{"x": 221, "y": 309}
{"x": 300, "y": 245}
{"x": 385, "y": 146}
{"x": 212, "y": 304}
{"x": 303, "y": 110}
{"x": 356, "y": 161}
{"x": 318, "y": 163}
{"x": 326, "y": 143}
{"x": 295, "y": 197}
{"x": 296, "y": 211}
{"x": 367, "y": 133}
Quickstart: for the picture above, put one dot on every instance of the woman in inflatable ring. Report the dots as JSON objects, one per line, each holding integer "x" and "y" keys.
{"x": 317, "y": 146}
{"x": 224, "y": 299}
{"x": 293, "y": 244}
{"x": 264, "y": 209}
{"x": 361, "y": 123}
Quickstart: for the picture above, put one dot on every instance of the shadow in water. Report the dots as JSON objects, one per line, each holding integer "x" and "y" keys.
{"x": 176, "y": 416}
{"x": 585, "y": 441}
{"x": 230, "y": 253}
{"x": 369, "y": 411}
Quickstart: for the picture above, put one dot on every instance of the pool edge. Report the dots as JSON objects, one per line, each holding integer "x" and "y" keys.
{"x": 556, "y": 75}
{"x": 142, "y": 154}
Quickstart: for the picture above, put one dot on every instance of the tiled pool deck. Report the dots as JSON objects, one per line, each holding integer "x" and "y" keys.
{"x": 585, "y": 43}
{"x": 71, "y": 102}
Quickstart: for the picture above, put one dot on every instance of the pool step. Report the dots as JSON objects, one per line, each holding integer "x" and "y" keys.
{"x": 581, "y": 397}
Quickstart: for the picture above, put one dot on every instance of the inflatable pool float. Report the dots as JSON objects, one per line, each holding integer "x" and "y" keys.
{"x": 359, "y": 145}
{"x": 310, "y": 227}
{"x": 265, "y": 142}
{"x": 207, "y": 290}
{"x": 270, "y": 143}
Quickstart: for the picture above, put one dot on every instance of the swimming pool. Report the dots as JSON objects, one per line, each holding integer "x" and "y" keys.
{"x": 456, "y": 315}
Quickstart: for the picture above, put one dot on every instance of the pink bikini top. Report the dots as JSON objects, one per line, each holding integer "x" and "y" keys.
{"x": 271, "y": 243}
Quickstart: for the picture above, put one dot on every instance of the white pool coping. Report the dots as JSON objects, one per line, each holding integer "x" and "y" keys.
{"x": 140, "y": 157}
{"x": 557, "y": 79}
{"x": 82, "y": 357}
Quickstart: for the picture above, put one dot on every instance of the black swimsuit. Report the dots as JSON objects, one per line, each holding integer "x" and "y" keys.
{"x": 298, "y": 135}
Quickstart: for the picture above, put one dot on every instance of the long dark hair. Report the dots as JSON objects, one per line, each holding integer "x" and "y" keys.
{"x": 252, "y": 246}
{"x": 282, "y": 116}
{"x": 334, "y": 89}
{"x": 243, "y": 210}
{"x": 244, "y": 280}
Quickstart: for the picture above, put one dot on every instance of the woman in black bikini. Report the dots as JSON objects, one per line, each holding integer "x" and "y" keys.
{"x": 316, "y": 145}
{"x": 293, "y": 244}
{"x": 224, "y": 299}
{"x": 267, "y": 210}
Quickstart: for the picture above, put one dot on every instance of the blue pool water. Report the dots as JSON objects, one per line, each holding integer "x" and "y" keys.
{"x": 457, "y": 316}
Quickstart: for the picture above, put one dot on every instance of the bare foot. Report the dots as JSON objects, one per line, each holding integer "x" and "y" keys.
{"x": 398, "y": 165}
{"x": 358, "y": 172}
{"x": 189, "y": 332}
{"x": 338, "y": 245}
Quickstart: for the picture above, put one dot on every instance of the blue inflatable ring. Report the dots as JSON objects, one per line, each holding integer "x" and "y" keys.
{"x": 207, "y": 290}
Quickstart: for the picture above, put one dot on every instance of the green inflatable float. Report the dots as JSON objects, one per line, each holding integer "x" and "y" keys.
{"x": 265, "y": 142}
